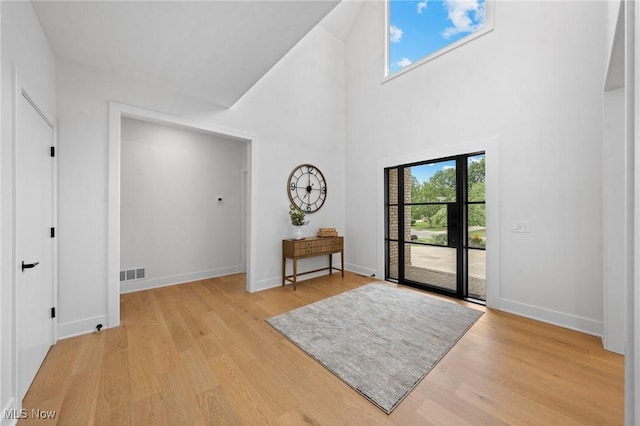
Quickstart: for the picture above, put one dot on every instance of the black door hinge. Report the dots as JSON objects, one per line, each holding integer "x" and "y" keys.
{"x": 53, "y": 312}
{"x": 53, "y": 232}
{"x": 53, "y": 151}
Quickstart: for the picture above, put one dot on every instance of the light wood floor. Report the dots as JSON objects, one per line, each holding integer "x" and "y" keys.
{"x": 201, "y": 353}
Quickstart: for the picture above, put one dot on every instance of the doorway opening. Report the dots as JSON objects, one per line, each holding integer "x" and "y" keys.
{"x": 116, "y": 112}
{"x": 435, "y": 225}
{"x": 180, "y": 206}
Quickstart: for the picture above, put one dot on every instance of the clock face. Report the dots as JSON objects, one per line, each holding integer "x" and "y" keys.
{"x": 307, "y": 188}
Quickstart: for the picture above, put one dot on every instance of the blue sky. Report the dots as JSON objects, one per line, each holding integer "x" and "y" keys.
{"x": 424, "y": 172}
{"x": 418, "y": 28}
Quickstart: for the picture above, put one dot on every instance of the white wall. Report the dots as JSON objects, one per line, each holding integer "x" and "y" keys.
{"x": 616, "y": 176}
{"x": 540, "y": 94}
{"x": 632, "y": 136}
{"x": 296, "y": 112}
{"x": 24, "y": 46}
{"x": 613, "y": 8}
{"x": 614, "y": 229}
{"x": 171, "y": 221}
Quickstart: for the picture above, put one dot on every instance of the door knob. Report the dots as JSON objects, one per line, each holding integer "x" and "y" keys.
{"x": 29, "y": 265}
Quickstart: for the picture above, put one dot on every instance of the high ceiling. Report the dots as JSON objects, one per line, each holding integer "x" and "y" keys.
{"x": 212, "y": 50}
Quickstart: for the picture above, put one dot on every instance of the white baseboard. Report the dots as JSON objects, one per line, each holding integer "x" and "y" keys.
{"x": 357, "y": 269}
{"x": 274, "y": 282}
{"x": 277, "y": 281}
{"x": 10, "y": 405}
{"x": 613, "y": 344}
{"x": 266, "y": 284}
{"x": 83, "y": 326}
{"x": 146, "y": 284}
{"x": 561, "y": 319}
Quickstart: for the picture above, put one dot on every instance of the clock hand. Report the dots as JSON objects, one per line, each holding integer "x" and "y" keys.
{"x": 307, "y": 188}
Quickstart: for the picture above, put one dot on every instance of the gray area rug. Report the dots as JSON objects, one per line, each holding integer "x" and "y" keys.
{"x": 380, "y": 340}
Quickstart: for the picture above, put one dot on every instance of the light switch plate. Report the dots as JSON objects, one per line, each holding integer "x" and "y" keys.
{"x": 521, "y": 226}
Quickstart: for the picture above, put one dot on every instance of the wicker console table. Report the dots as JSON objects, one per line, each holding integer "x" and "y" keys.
{"x": 310, "y": 247}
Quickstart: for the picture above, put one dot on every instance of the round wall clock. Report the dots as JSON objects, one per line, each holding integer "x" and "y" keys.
{"x": 307, "y": 188}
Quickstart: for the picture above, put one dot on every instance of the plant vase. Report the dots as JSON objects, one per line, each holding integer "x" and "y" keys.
{"x": 297, "y": 221}
{"x": 297, "y": 232}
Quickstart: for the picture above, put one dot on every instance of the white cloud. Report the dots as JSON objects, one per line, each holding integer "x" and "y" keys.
{"x": 395, "y": 34}
{"x": 421, "y": 6}
{"x": 466, "y": 16}
{"x": 448, "y": 167}
{"x": 404, "y": 62}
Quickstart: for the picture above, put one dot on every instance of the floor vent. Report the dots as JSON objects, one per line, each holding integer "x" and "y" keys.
{"x": 133, "y": 274}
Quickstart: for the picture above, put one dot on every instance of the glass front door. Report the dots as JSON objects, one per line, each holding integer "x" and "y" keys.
{"x": 435, "y": 225}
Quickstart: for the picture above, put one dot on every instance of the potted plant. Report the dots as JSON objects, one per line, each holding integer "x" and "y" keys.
{"x": 297, "y": 220}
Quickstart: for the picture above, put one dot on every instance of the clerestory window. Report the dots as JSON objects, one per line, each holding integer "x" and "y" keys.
{"x": 421, "y": 30}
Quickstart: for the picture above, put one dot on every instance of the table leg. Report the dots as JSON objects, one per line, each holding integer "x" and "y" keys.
{"x": 330, "y": 263}
{"x": 295, "y": 273}
{"x": 284, "y": 268}
{"x": 342, "y": 262}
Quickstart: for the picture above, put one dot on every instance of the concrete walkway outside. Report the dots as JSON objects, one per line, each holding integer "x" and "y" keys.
{"x": 444, "y": 259}
{"x": 437, "y": 266}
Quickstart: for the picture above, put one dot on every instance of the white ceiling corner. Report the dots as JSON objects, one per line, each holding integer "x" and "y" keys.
{"x": 341, "y": 19}
{"x": 211, "y": 50}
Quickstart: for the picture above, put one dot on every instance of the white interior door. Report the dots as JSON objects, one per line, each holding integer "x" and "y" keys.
{"x": 34, "y": 244}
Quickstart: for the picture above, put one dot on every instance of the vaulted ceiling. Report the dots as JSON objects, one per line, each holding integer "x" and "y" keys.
{"x": 212, "y": 50}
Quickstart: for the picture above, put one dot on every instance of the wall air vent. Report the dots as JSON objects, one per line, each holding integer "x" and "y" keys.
{"x": 133, "y": 274}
